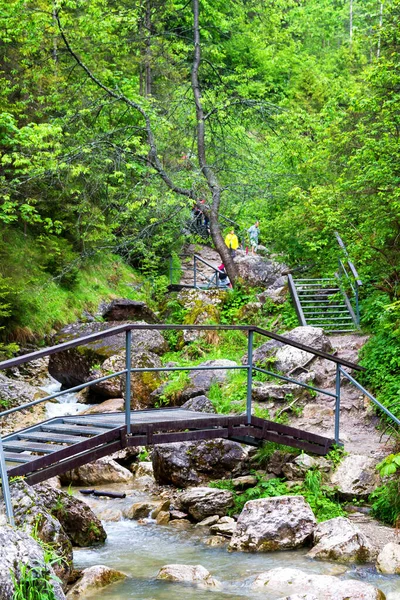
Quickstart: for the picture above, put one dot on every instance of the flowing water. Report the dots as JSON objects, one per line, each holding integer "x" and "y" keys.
{"x": 63, "y": 405}
{"x": 140, "y": 549}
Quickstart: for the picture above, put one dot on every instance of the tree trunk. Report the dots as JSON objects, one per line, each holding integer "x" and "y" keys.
{"x": 206, "y": 170}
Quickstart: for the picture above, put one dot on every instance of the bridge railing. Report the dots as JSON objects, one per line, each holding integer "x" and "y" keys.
{"x": 200, "y": 280}
{"x": 127, "y": 329}
{"x": 349, "y": 281}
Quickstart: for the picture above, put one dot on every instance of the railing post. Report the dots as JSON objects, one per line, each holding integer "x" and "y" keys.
{"x": 337, "y": 405}
{"x": 194, "y": 271}
{"x": 249, "y": 374}
{"x": 128, "y": 367}
{"x": 357, "y": 304}
{"x": 5, "y": 487}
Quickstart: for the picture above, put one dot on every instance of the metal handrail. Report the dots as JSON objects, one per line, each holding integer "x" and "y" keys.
{"x": 296, "y": 301}
{"x": 370, "y": 396}
{"x": 128, "y": 328}
{"x": 353, "y": 280}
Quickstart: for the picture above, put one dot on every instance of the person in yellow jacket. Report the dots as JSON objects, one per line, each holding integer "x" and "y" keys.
{"x": 232, "y": 242}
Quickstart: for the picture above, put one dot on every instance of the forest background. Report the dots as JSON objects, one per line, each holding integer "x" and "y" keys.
{"x": 301, "y": 106}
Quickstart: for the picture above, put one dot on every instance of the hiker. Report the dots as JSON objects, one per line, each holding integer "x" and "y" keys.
{"x": 223, "y": 277}
{"x": 206, "y": 219}
{"x": 232, "y": 242}
{"x": 253, "y": 232}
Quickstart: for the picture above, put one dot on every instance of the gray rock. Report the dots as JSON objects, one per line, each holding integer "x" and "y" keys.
{"x": 204, "y": 502}
{"x": 244, "y": 482}
{"x": 142, "y": 384}
{"x": 199, "y": 404}
{"x": 103, "y": 470}
{"x": 123, "y": 309}
{"x": 208, "y": 521}
{"x": 76, "y": 517}
{"x": 17, "y": 548}
{"x": 72, "y": 367}
{"x": 185, "y": 464}
{"x": 280, "y": 523}
{"x": 201, "y": 381}
{"x": 258, "y": 270}
{"x": 285, "y": 580}
{"x": 15, "y": 393}
{"x": 188, "y": 574}
{"x": 277, "y": 295}
{"x": 92, "y": 579}
{"x": 388, "y": 561}
{"x": 274, "y": 392}
{"x": 340, "y": 540}
{"x": 225, "y": 526}
{"x": 356, "y": 477}
{"x": 32, "y": 515}
{"x": 277, "y": 461}
{"x": 140, "y": 510}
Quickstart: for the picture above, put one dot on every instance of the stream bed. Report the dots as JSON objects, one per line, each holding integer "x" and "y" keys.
{"x": 141, "y": 549}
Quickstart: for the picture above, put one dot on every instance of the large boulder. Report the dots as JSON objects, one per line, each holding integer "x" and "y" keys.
{"x": 76, "y": 517}
{"x": 199, "y": 404}
{"x": 259, "y": 271}
{"x": 32, "y": 516}
{"x": 123, "y": 309}
{"x": 18, "y": 549}
{"x": 14, "y": 392}
{"x": 285, "y": 580}
{"x": 356, "y": 477}
{"x": 285, "y": 357}
{"x": 187, "y": 464}
{"x": 205, "y": 502}
{"x": 340, "y": 540}
{"x": 103, "y": 470}
{"x": 73, "y": 367}
{"x": 142, "y": 383}
{"x": 188, "y": 574}
{"x": 108, "y": 406}
{"x": 93, "y": 579}
{"x": 201, "y": 381}
{"x": 388, "y": 561}
{"x": 279, "y": 523}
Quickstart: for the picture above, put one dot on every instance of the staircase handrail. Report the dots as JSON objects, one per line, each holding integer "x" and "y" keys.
{"x": 353, "y": 279}
{"x": 296, "y": 300}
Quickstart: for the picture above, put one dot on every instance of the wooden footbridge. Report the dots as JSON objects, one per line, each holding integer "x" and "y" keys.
{"x": 57, "y": 445}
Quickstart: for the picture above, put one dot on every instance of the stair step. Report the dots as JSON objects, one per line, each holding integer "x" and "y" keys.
{"x": 326, "y": 305}
{"x": 315, "y": 279}
{"x": 330, "y": 319}
{"x": 96, "y": 421}
{"x": 72, "y": 429}
{"x": 22, "y": 446}
{"x": 340, "y": 330}
{"x": 52, "y": 437}
{"x": 16, "y": 457}
{"x": 324, "y": 290}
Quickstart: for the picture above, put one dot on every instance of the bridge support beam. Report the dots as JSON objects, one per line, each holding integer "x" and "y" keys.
{"x": 128, "y": 367}
{"x": 337, "y": 406}
{"x": 5, "y": 487}
{"x": 249, "y": 374}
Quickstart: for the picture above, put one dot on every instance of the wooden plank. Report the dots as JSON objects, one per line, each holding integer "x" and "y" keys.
{"x": 22, "y": 446}
{"x": 73, "y": 462}
{"x": 68, "y": 451}
{"x": 270, "y": 436}
{"x": 182, "y": 436}
{"x": 51, "y": 437}
{"x": 291, "y": 431}
{"x": 99, "y": 422}
{"x": 72, "y": 429}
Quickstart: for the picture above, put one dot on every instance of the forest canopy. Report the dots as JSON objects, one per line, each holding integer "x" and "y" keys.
{"x": 300, "y": 103}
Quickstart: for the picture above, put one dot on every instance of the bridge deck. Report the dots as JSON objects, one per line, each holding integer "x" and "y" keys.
{"x": 58, "y": 445}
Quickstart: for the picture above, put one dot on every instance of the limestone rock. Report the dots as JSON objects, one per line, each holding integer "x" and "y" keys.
{"x": 18, "y": 548}
{"x": 108, "y": 406}
{"x": 274, "y": 392}
{"x": 123, "y": 309}
{"x": 215, "y": 541}
{"x": 185, "y": 464}
{"x": 72, "y": 367}
{"x": 15, "y": 393}
{"x": 226, "y": 528}
{"x": 279, "y": 523}
{"x": 208, "y": 521}
{"x": 188, "y": 574}
{"x": 77, "y": 518}
{"x": 31, "y": 514}
{"x": 93, "y": 579}
{"x": 258, "y": 270}
{"x": 244, "y": 482}
{"x": 103, "y": 470}
{"x": 388, "y": 561}
{"x": 140, "y": 510}
{"x": 142, "y": 383}
{"x": 293, "y": 581}
{"x": 199, "y": 404}
{"x": 356, "y": 477}
{"x": 277, "y": 462}
{"x": 340, "y": 540}
{"x": 201, "y": 381}
{"x": 143, "y": 468}
{"x": 301, "y": 597}
{"x": 110, "y": 515}
{"x": 163, "y": 518}
{"x": 204, "y": 502}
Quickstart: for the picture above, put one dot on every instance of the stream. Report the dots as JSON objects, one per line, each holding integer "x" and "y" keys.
{"x": 140, "y": 549}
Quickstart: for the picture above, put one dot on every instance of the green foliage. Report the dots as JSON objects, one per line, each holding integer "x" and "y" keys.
{"x": 381, "y": 357}
{"x": 336, "y": 455}
{"x": 267, "y": 449}
{"x": 172, "y": 389}
{"x": 321, "y": 498}
{"x": 263, "y": 489}
{"x": 386, "y": 503}
{"x": 234, "y": 302}
{"x": 34, "y": 583}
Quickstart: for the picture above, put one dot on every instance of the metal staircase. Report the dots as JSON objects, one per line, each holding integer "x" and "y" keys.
{"x": 321, "y": 303}
{"x": 330, "y": 303}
